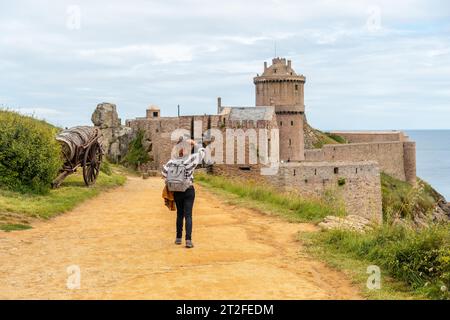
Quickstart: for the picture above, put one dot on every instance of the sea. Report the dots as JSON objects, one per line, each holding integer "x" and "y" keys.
{"x": 433, "y": 158}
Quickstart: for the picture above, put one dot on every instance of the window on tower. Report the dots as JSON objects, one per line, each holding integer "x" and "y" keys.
{"x": 296, "y": 87}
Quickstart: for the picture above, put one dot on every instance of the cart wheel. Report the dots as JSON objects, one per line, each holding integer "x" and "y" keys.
{"x": 91, "y": 163}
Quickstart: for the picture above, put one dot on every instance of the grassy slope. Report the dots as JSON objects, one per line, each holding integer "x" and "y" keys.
{"x": 323, "y": 245}
{"x": 316, "y": 139}
{"x": 322, "y": 139}
{"x": 17, "y": 210}
{"x": 267, "y": 199}
{"x": 355, "y": 267}
{"x": 403, "y": 200}
{"x": 418, "y": 258}
{"x": 404, "y": 254}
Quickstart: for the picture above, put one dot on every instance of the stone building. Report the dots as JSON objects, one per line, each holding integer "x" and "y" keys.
{"x": 351, "y": 171}
{"x": 279, "y": 86}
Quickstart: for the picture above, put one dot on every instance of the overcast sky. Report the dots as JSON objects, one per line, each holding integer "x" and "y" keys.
{"x": 368, "y": 64}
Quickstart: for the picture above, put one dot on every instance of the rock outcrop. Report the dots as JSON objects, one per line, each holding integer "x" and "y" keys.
{"x": 115, "y": 137}
{"x": 105, "y": 116}
{"x": 350, "y": 222}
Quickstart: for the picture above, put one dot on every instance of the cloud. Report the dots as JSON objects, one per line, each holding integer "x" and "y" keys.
{"x": 136, "y": 53}
{"x": 158, "y": 53}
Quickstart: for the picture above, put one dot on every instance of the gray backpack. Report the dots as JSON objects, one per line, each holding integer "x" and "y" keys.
{"x": 176, "y": 177}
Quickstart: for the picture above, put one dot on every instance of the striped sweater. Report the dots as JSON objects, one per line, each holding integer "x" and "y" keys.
{"x": 190, "y": 162}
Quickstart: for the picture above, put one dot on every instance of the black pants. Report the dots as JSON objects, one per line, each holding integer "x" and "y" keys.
{"x": 185, "y": 203}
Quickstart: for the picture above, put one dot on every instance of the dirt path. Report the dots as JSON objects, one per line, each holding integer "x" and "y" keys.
{"x": 122, "y": 242}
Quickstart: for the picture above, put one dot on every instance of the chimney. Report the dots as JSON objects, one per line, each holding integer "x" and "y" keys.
{"x": 265, "y": 66}
{"x": 219, "y": 105}
{"x": 289, "y": 63}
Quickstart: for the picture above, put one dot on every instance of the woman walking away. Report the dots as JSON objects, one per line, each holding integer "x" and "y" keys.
{"x": 179, "y": 175}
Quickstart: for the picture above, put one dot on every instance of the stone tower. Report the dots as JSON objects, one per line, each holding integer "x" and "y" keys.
{"x": 281, "y": 87}
{"x": 153, "y": 112}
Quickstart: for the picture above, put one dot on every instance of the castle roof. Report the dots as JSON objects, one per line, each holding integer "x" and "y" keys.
{"x": 153, "y": 107}
{"x": 249, "y": 113}
{"x": 281, "y": 70}
{"x": 279, "y": 67}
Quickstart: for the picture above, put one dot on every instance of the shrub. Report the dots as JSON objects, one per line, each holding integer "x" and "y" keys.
{"x": 136, "y": 153}
{"x": 30, "y": 157}
{"x": 400, "y": 199}
{"x": 420, "y": 258}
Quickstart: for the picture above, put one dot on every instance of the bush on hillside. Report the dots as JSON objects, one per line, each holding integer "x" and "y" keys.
{"x": 30, "y": 157}
{"x": 402, "y": 200}
{"x": 419, "y": 257}
{"x": 136, "y": 152}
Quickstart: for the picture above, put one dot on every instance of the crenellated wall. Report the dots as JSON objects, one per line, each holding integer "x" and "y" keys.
{"x": 279, "y": 85}
{"x": 158, "y": 131}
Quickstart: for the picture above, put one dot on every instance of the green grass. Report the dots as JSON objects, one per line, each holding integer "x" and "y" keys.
{"x": 14, "y": 226}
{"x": 136, "y": 152}
{"x": 414, "y": 264}
{"x": 323, "y": 138}
{"x": 355, "y": 268}
{"x": 267, "y": 199}
{"x": 106, "y": 167}
{"x": 67, "y": 196}
{"x": 124, "y": 170}
{"x": 418, "y": 258}
{"x": 336, "y": 137}
{"x": 400, "y": 199}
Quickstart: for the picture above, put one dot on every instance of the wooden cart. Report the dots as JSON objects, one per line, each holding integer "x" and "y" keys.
{"x": 80, "y": 148}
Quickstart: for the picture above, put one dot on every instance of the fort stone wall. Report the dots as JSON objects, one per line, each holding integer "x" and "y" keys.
{"x": 409, "y": 161}
{"x": 349, "y": 171}
{"x": 354, "y": 185}
{"x": 389, "y": 155}
{"x": 158, "y": 131}
{"x": 396, "y": 158}
{"x": 371, "y": 136}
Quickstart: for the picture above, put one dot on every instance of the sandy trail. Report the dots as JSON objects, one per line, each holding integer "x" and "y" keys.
{"x": 122, "y": 242}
